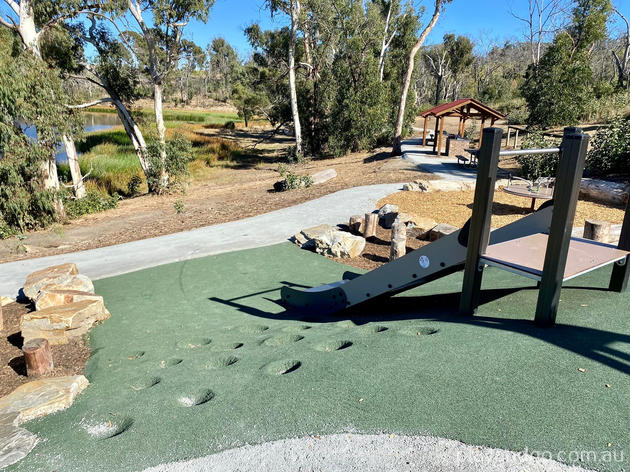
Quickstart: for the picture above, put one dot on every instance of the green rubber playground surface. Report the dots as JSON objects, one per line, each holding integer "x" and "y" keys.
{"x": 198, "y": 357}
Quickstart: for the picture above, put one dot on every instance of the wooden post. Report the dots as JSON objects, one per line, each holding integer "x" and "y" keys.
{"x": 515, "y": 138}
{"x": 597, "y": 231}
{"x": 356, "y": 224}
{"x": 479, "y": 232}
{"x": 481, "y": 126}
{"x": 371, "y": 222}
{"x": 492, "y": 121}
{"x": 439, "y": 146}
{"x": 424, "y": 130}
{"x": 435, "y": 133}
{"x": 620, "y": 272}
{"x": 399, "y": 240}
{"x": 459, "y": 127}
{"x": 38, "y": 357}
{"x": 507, "y": 139}
{"x": 567, "y": 189}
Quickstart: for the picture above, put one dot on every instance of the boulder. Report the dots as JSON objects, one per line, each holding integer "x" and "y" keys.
{"x": 42, "y": 397}
{"x": 6, "y": 300}
{"x": 56, "y": 297}
{"x": 51, "y": 275}
{"x": 331, "y": 241}
{"x": 15, "y": 442}
{"x": 323, "y": 176}
{"x": 78, "y": 282}
{"x": 416, "y": 186}
{"x": 387, "y": 214}
{"x": 441, "y": 230}
{"x": 59, "y": 324}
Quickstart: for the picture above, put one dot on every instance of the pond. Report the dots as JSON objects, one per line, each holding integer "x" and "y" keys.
{"x": 92, "y": 122}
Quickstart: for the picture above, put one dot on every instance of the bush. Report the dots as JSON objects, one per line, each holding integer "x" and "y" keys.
{"x": 229, "y": 125}
{"x": 291, "y": 181}
{"x": 179, "y": 153}
{"x": 537, "y": 165}
{"x": 93, "y": 202}
{"x": 610, "y": 151}
{"x": 133, "y": 186}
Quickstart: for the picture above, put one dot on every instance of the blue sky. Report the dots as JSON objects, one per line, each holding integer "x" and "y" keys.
{"x": 475, "y": 18}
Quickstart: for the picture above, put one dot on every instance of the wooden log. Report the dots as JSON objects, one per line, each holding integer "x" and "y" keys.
{"x": 356, "y": 224}
{"x": 38, "y": 357}
{"x": 597, "y": 231}
{"x": 399, "y": 240}
{"x": 371, "y": 222}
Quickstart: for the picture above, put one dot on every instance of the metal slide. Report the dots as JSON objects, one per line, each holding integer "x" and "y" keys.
{"x": 435, "y": 260}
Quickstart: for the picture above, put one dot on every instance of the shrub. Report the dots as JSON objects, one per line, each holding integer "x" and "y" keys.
{"x": 179, "y": 153}
{"x": 93, "y": 202}
{"x": 292, "y": 181}
{"x": 133, "y": 186}
{"x": 537, "y": 165}
{"x": 179, "y": 207}
{"x": 610, "y": 151}
{"x": 229, "y": 125}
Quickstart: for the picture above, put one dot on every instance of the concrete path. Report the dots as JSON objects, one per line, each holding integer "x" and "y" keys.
{"x": 367, "y": 453}
{"x": 445, "y": 168}
{"x": 262, "y": 230}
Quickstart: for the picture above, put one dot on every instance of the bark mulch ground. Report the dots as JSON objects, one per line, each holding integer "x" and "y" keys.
{"x": 68, "y": 359}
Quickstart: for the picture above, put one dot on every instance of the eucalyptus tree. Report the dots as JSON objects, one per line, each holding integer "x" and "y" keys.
{"x": 224, "y": 67}
{"x": 622, "y": 63}
{"x": 400, "y": 118}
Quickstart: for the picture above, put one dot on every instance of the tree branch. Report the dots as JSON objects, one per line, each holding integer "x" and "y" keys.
{"x": 90, "y": 104}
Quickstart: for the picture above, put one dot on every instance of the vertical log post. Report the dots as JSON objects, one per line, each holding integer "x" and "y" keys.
{"x": 481, "y": 127}
{"x": 356, "y": 224}
{"x": 567, "y": 190}
{"x": 371, "y": 222}
{"x": 439, "y": 146}
{"x": 620, "y": 272}
{"x": 479, "y": 233}
{"x": 424, "y": 130}
{"x": 38, "y": 357}
{"x": 597, "y": 231}
{"x": 399, "y": 240}
{"x": 507, "y": 138}
{"x": 435, "y": 133}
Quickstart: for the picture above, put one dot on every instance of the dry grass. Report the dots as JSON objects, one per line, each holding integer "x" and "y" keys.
{"x": 456, "y": 207}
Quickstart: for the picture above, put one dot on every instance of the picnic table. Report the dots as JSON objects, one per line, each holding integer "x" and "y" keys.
{"x": 542, "y": 193}
{"x": 470, "y": 161}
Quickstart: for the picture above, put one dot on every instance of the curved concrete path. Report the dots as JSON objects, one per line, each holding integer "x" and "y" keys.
{"x": 366, "y": 453}
{"x": 262, "y": 230}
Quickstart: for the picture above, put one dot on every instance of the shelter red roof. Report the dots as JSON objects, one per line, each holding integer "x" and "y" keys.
{"x": 458, "y": 106}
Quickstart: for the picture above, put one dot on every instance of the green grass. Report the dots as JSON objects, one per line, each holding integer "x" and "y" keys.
{"x": 197, "y": 357}
{"x": 190, "y": 116}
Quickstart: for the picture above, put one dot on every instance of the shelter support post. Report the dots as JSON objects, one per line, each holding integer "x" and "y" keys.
{"x": 620, "y": 272}
{"x": 568, "y": 177}
{"x": 479, "y": 229}
{"x": 483, "y": 122}
{"x": 459, "y": 127}
{"x": 439, "y": 140}
{"x": 424, "y": 130}
{"x": 435, "y": 133}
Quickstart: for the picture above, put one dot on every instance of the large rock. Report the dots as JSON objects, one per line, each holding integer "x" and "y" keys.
{"x": 42, "y": 397}
{"x": 330, "y": 241}
{"x": 323, "y": 176}
{"x": 6, "y": 300}
{"x": 56, "y": 275}
{"x": 59, "y": 324}
{"x": 416, "y": 186}
{"x": 56, "y": 297}
{"x": 78, "y": 282}
{"x": 387, "y": 214}
{"x": 15, "y": 442}
{"x": 441, "y": 230}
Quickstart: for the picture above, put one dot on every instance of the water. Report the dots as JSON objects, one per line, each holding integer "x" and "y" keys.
{"x": 91, "y": 122}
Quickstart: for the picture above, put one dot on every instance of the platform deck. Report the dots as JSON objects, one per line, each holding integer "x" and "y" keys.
{"x": 526, "y": 256}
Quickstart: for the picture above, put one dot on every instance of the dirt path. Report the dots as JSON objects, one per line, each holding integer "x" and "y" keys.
{"x": 231, "y": 193}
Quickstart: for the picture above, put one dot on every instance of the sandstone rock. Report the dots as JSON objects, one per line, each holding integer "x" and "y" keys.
{"x": 42, "y": 397}
{"x": 323, "y": 176}
{"x": 59, "y": 324}
{"x": 441, "y": 230}
{"x": 416, "y": 186}
{"x": 56, "y": 297}
{"x": 51, "y": 275}
{"x": 6, "y": 300}
{"x": 331, "y": 241}
{"x": 78, "y": 282}
{"x": 15, "y": 442}
{"x": 387, "y": 214}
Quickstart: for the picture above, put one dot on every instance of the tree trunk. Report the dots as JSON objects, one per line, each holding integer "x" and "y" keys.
{"x": 295, "y": 12}
{"x": 161, "y": 134}
{"x": 438, "y": 88}
{"x": 134, "y": 133}
{"x": 371, "y": 222}
{"x": 75, "y": 170}
{"x": 400, "y": 120}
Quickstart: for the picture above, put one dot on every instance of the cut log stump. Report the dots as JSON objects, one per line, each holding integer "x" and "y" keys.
{"x": 38, "y": 357}
{"x": 597, "y": 231}
{"x": 356, "y": 224}
{"x": 371, "y": 222}
{"x": 399, "y": 240}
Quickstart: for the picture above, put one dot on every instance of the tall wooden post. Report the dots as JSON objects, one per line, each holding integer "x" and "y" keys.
{"x": 619, "y": 277}
{"x": 424, "y": 130}
{"x": 459, "y": 127}
{"x": 439, "y": 147}
{"x": 479, "y": 229}
{"x": 435, "y": 133}
{"x": 567, "y": 190}
{"x": 483, "y": 122}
